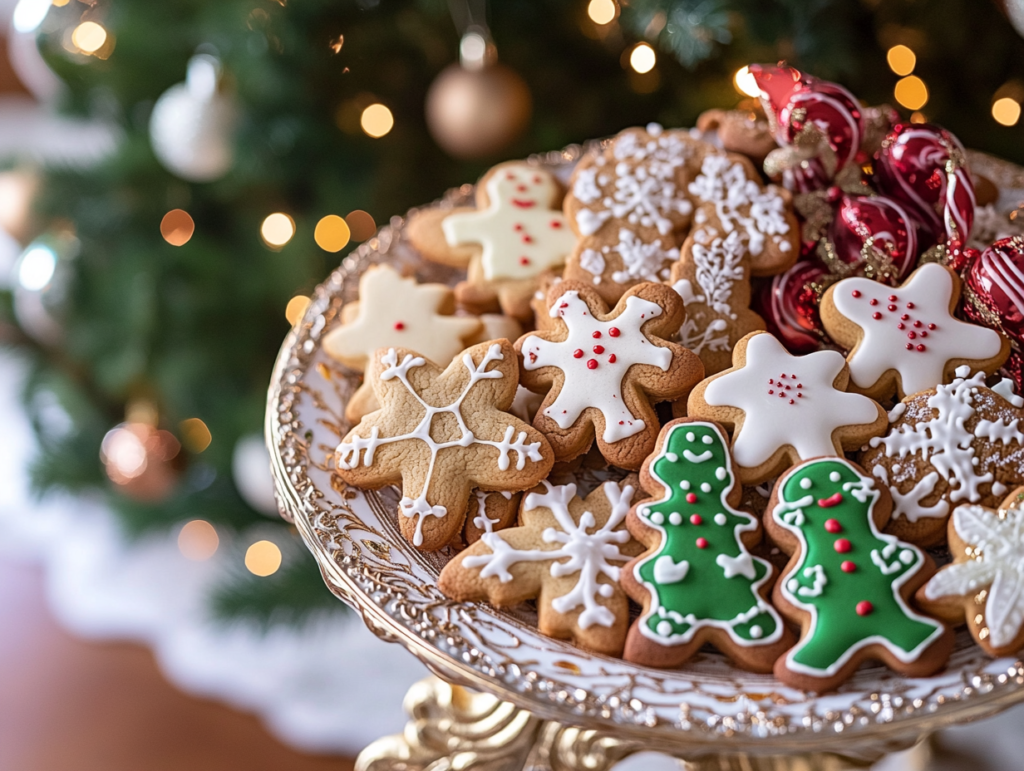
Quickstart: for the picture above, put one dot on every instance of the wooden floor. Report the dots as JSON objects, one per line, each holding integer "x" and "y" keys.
{"x": 68, "y": 705}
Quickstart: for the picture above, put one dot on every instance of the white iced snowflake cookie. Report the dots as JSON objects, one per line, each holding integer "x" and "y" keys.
{"x": 905, "y": 339}
{"x": 985, "y": 583}
{"x": 634, "y": 202}
{"x": 440, "y": 434}
{"x": 567, "y": 553}
{"x": 602, "y": 371}
{"x": 783, "y": 409}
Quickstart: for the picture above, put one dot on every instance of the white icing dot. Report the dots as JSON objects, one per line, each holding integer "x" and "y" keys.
{"x": 906, "y": 556}
{"x": 756, "y": 632}
{"x": 835, "y": 476}
{"x": 792, "y": 585}
{"x": 707, "y": 439}
{"x": 721, "y": 519}
{"x": 690, "y": 437}
{"x": 672, "y": 456}
{"x": 721, "y": 473}
{"x": 806, "y": 483}
{"x": 605, "y": 590}
{"x": 685, "y": 484}
{"x": 675, "y": 518}
{"x": 644, "y": 512}
{"x": 658, "y": 518}
{"x": 705, "y": 487}
{"x": 664, "y": 628}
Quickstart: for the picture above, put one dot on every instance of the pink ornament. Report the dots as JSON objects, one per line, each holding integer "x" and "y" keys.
{"x": 994, "y": 288}
{"x": 889, "y": 228}
{"x": 799, "y": 105}
{"x": 789, "y": 305}
{"x": 924, "y": 168}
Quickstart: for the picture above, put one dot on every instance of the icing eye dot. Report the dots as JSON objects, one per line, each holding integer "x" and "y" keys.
{"x": 705, "y": 487}
{"x": 685, "y": 484}
{"x": 606, "y": 590}
{"x": 690, "y": 436}
{"x": 721, "y": 473}
{"x": 658, "y": 518}
{"x": 835, "y": 476}
{"x": 806, "y": 483}
{"x": 707, "y": 440}
{"x": 756, "y": 632}
{"x": 675, "y": 518}
{"x": 664, "y": 629}
{"x": 721, "y": 519}
{"x": 907, "y": 557}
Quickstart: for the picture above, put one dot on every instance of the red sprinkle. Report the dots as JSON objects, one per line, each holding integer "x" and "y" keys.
{"x": 611, "y": 359}
{"x": 592, "y": 364}
{"x": 855, "y": 293}
{"x": 399, "y": 326}
{"x": 864, "y": 608}
{"x": 578, "y": 353}
{"x": 702, "y": 543}
{"x": 696, "y": 519}
{"x": 833, "y": 526}
{"x": 613, "y": 332}
{"x": 847, "y": 566}
{"x": 691, "y": 498}
{"x": 596, "y": 335}
{"x": 598, "y": 349}
{"x": 842, "y": 545}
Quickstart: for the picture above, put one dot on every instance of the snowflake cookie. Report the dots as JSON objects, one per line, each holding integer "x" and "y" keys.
{"x": 985, "y": 582}
{"x": 848, "y": 585}
{"x": 440, "y": 434}
{"x": 634, "y": 202}
{"x": 698, "y": 581}
{"x": 904, "y": 340}
{"x": 393, "y": 310}
{"x": 567, "y": 553}
{"x": 602, "y": 371}
{"x": 957, "y": 443}
{"x": 515, "y": 234}
{"x": 783, "y": 409}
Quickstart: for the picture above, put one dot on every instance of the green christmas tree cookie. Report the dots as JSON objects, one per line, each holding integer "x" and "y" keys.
{"x": 847, "y": 584}
{"x": 697, "y": 581}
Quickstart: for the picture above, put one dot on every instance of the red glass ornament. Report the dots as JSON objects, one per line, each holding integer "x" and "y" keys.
{"x": 796, "y": 102}
{"x": 789, "y": 306}
{"x": 994, "y": 288}
{"x": 859, "y": 218}
{"x": 923, "y": 167}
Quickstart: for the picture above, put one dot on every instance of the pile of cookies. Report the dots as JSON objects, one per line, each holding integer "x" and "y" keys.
{"x": 772, "y": 505}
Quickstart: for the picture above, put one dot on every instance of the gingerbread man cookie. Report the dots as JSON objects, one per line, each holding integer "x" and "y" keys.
{"x": 783, "y": 409}
{"x": 516, "y": 232}
{"x": 985, "y": 582}
{"x": 396, "y": 311}
{"x": 906, "y": 340}
{"x": 956, "y": 443}
{"x": 567, "y": 553}
{"x": 847, "y": 584}
{"x": 440, "y": 434}
{"x": 602, "y": 371}
{"x": 698, "y": 581}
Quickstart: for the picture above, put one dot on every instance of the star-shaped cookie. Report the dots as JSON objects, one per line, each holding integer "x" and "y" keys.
{"x": 906, "y": 340}
{"x": 439, "y": 434}
{"x": 567, "y": 554}
{"x": 783, "y": 409}
{"x": 603, "y": 371}
{"x": 396, "y": 311}
{"x": 985, "y": 583}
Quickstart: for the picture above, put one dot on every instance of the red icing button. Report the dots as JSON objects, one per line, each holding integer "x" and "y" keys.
{"x": 702, "y": 543}
{"x": 592, "y": 364}
{"x": 847, "y": 566}
{"x": 864, "y": 608}
{"x": 696, "y": 519}
{"x": 855, "y": 293}
{"x": 598, "y": 349}
{"x": 399, "y": 326}
{"x": 578, "y": 353}
{"x": 611, "y": 359}
{"x": 596, "y": 335}
{"x": 613, "y": 332}
{"x": 842, "y": 545}
{"x": 833, "y": 526}
{"x": 691, "y": 498}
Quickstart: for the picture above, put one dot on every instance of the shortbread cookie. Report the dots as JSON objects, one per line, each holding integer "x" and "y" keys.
{"x": 490, "y": 512}
{"x": 396, "y": 311}
{"x": 847, "y": 584}
{"x": 603, "y": 371}
{"x": 517, "y": 232}
{"x": 634, "y": 202}
{"x": 783, "y": 409}
{"x": 906, "y": 340}
{"x": 985, "y": 583}
{"x": 567, "y": 553}
{"x": 439, "y": 434}
{"x": 957, "y": 443}
{"x": 698, "y": 582}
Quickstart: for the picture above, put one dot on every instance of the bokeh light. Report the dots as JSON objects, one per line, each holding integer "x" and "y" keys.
{"x": 376, "y": 120}
{"x": 1006, "y": 111}
{"x": 901, "y": 60}
{"x": 177, "y": 227}
{"x": 643, "y": 58}
{"x": 263, "y": 558}
{"x": 89, "y": 37}
{"x": 602, "y": 11}
{"x": 911, "y": 92}
{"x": 277, "y": 229}
{"x": 361, "y": 224}
{"x": 332, "y": 233}
{"x": 195, "y": 435}
{"x": 198, "y": 540}
{"x": 295, "y": 308}
{"x": 745, "y": 83}
{"x": 36, "y": 268}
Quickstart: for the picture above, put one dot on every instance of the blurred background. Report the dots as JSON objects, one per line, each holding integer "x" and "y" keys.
{"x": 175, "y": 178}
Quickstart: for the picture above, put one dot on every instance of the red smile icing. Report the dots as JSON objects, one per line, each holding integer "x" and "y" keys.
{"x": 828, "y": 503}
{"x": 523, "y": 204}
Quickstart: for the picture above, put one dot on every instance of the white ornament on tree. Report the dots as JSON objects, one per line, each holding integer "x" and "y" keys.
{"x": 193, "y": 124}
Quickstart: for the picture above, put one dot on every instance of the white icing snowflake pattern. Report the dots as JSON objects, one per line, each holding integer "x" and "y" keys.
{"x": 719, "y": 265}
{"x": 642, "y": 262}
{"x": 590, "y": 554}
{"x": 997, "y": 539}
{"x": 595, "y": 357}
{"x": 712, "y": 337}
{"x": 361, "y": 449}
{"x": 787, "y": 401}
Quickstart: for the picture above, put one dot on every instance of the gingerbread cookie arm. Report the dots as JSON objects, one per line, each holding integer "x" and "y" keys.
{"x": 425, "y": 233}
{"x": 490, "y": 512}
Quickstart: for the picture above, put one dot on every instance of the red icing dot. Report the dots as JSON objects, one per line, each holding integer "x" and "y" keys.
{"x": 872, "y": 301}
{"x": 911, "y": 335}
{"x": 910, "y": 305}
{"x": 855, "y": 293}
{"x": 900, "y": 326}
{"x": 783, "y": 376}
{"x": 578, "y": 353}
{"x": 791, "y": 401}
{"x": 876, "y": 315}
{"x": 931, "y": 326}
{"x": 592, "y": 364}
{"x": 522, "y": 188}
{"x": 917, "y": 323}
{"x": 598, "y": 349}
{"x": 517, "y": 227}
{"x": 596, "y": 335}
{"x": 847, "y": 566}
{"x": 842, "y": 545}
{"x": 524, "y": 260}
{"x": 923, "y": 334}
{"x": 771, "y": 381}
{"x": 864, "y": 608}
{"x": 556, "y": 224}
{"x": 702, "y": 543}
{"x": 510, "y": 176}
{"x": 892, "y": 307}
{"x": 910, "y": 346}
{"x": 799, "y": 396}
{"x": 833, "y": 526}
{"x": 921, "y": 347}
{"x": 892, "y": 298}
{"x": 536, "y": 179}
{"x": 799, "y": 385}
{"x": 399, "y": 326}
{"x": 771, "y": 391}
{"x": 696, "y": 519}
{"x": 611, "y": 359}
{"x": 691, "y": 498}
{"x": 613, "y": 332}
{"x": 527, "y": 239}
{"x": 905, "y": 316}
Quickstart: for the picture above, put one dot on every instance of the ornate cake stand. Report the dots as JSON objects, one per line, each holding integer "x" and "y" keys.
{"x": 505, "y": 696}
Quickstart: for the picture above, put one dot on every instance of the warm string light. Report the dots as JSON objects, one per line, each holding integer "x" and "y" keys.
{"x": 296, "y": 308}
{"x": 745, "y": 83}
{"x": 642, "y": 59}
{"x": 361, "y": 224}
{"x": 198, "y": 540}
{"x": 89, "y": 37}
{"x": 602, "y": 12}
{"x": 1006, "y": 111}
{"x": 901, "y": 60}
{"x": 332, "y": 233}
{"x": 195, "y": 435}
{"x": 263, "y": 558}
{"x": 177, "y": 227}
{"x": 376, "y": 120}
{"x": 277, "y": 229}
{"x": 911, "y": 92}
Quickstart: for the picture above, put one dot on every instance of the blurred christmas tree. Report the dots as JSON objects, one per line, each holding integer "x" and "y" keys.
{"x": 154, "y": 296}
